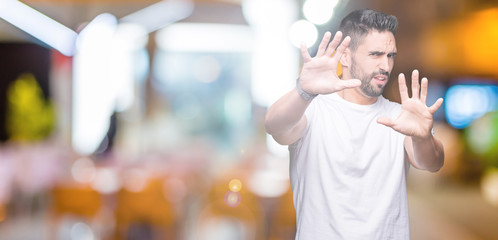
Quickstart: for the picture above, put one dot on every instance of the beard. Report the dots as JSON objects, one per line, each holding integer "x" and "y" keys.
{"x": 368, "y": 87}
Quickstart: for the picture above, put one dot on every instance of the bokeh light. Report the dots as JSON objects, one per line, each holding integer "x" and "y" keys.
{"x": 319, "y": 11}
{"x": 206, "y": 69}
{"x": 83, "y": 170}
{"x": 303, "y": 31}
{"x": 465, "y": 103}
{"x": 232, "y": 199}
{"x": 186, "y": 85}
{"x": 489, "y": 186}
{"x": 134, "y": 180}
{"x": 106, "y": 181}
{"x": 81, "y": 231}
{"x": 235, "y": 185}
{"x": 482, "y": 135}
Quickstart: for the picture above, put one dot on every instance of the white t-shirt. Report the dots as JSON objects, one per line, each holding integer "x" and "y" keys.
{"x": 348, "y": 172}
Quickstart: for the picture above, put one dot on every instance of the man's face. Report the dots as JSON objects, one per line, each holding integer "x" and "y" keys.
{"x": 373, "y": 61}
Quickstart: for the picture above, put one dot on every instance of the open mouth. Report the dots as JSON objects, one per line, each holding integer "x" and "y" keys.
{"x": 380, "y": 79}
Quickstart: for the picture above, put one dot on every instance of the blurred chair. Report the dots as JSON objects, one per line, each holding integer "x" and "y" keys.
{"x": 231, "y": 214}
{"x": 145, "y": 213}
{"x": 73, "y": 201}
{"x": 77, "y": 200}
{"x": 3, "y": 212}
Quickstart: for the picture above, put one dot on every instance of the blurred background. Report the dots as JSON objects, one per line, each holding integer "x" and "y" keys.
{"x": 144, "y": 119}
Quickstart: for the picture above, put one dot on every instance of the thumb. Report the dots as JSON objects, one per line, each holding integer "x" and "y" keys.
{"x": 436, "y": 106}
{"x": 385, "y": 121}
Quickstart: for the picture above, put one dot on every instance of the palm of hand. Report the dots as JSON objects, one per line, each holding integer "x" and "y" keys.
{"x": 415, "y": 119}
{"x": 319, "y": 74}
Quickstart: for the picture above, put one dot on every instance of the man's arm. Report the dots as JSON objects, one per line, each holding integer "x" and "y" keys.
{"x": 425, "y": 153}
{"x": 416, "y": 121}
{"x": 285, "y": 119}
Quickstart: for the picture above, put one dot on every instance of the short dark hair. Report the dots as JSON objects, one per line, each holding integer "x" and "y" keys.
{"x": 359, "y": 23}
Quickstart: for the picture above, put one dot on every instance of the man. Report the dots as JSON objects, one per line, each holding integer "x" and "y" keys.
{"x": 350, "y": 148}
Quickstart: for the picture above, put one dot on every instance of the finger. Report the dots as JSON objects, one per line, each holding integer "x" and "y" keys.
{"x": 304, "y": 52}
{"x": 385, "y": 121}
{"x": 415, "y": 85}
{"x": 351, "y": 83}
{"x": 436, "y": 106}
{"x": 423, "y": 90}
{"x": 323, "y": 45}
{"x": 340, "y": 50}
{"x": 403, "y": 91}
{"x": 334, "y": 43}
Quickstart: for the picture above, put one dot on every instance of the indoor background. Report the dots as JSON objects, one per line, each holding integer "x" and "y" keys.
{"x": 144, "y": 119}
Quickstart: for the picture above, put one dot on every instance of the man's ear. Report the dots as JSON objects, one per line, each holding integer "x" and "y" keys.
{"x": 346, "y": 58}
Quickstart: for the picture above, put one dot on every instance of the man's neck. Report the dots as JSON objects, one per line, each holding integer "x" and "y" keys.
{"x": 355, "y": 95}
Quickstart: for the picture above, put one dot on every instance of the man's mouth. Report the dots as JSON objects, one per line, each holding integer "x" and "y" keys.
{"x": 380, "y": 79}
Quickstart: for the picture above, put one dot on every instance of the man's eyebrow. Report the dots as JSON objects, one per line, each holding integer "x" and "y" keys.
{"x": 382, "y": 53}
{"x": 376, "y": 53}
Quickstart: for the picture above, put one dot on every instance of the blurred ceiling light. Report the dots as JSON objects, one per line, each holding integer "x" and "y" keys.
{"x": 105, "y": 67}
{"x": 39, "y": 26}
{"x": 102, "y": 27}
{"x": 131, "y": 36}
{"x": 160, "y": 14}
{"x": 273, "y": 56}
{"x": 129, "y": 40}
{"x": 319, "y": 11}
{"x": 268, "y": 13}
{"x": 205, "y": 37}
{"x": 93, "y": 88}
{"x": 303, "y": 31}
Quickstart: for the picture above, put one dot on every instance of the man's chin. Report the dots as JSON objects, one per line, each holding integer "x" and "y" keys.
{"x": 373, "y": 92}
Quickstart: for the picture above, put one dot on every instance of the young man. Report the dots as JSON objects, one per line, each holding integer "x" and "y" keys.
{"x": 350, "y": 148}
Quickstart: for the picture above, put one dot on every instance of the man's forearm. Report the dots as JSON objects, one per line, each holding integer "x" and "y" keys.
{"x": 428, "y": 153}
{"x": 285, "y": 114}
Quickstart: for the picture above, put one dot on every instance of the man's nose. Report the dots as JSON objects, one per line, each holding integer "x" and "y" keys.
{"x": 384, "y": 63}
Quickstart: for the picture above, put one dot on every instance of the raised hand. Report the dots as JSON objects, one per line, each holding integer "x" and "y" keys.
{"x": 319, "y": 74}
{"x": 416, "y": 118}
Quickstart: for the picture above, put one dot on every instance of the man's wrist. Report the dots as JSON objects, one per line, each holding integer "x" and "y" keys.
{"x": 304, "y": 95}
{"x": 430, "y": 136}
